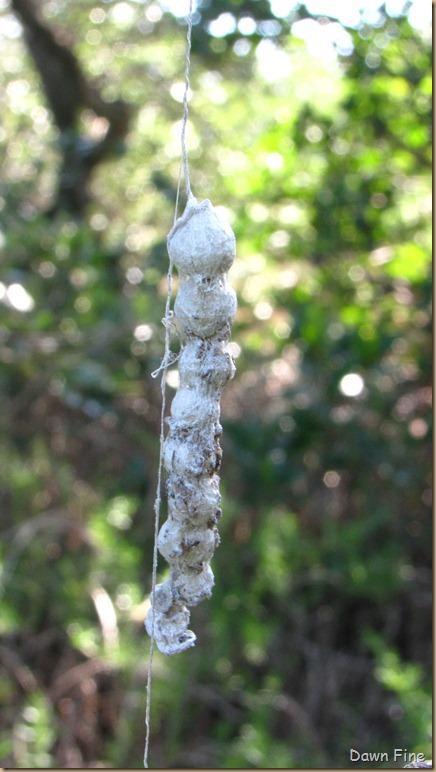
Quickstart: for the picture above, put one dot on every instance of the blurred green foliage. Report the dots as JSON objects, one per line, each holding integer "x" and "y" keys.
{"x": 317, "y": 637}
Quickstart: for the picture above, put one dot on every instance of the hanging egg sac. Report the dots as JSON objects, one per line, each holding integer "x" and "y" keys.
{"x": 202, "y": 247}
{"x": 201, "y": 242}
{"x": 206, "y": 361}
{"x": 192, "y": 406}
{"x": 204, "y": 308}
{"x": 194, "y": 501}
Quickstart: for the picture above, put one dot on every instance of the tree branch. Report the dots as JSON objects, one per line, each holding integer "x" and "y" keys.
{"x": 68, "y": 92}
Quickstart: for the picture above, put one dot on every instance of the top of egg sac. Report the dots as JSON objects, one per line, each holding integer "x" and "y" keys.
{"x": 201, "y": 241}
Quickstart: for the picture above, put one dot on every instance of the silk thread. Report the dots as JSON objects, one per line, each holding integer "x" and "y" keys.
{"x": 168, "y": 359}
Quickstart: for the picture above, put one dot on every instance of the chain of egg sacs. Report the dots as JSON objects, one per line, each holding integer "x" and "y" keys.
{"x": 202, "y": 247}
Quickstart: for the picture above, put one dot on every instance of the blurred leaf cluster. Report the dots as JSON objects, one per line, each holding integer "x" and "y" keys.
{"x": 314, "y": 139}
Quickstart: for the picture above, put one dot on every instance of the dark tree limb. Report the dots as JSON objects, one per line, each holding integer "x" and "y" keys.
{"x": 68, "y": 92}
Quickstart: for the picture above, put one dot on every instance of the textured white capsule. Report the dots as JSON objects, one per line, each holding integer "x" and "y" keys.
{"x": 171, "y": 629}
{"x": 170, "y": 540}
{"x": 203, "y": 248}
{"x": 163, "y": 596}
{"x": 191, "y": 406}
{"x": 196, "y": 545}
{"x": 177, "y": 644}
{"x": 201, "y": 241}
{"x": 192, "y": 586}
{"x": 185, "y": 455}
{"x": 207, "y": 362}
{"x": 199, "y": 546}
{"x": 195, "y": 503}
{"x": 203, "y": 308}
{"x": 168, "y": 624}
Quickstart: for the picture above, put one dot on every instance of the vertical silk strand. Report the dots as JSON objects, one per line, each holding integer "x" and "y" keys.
{"x": 157, "y": 502}
{"x": 184, "y": 159}
{"x": 185, "y": 101}
{"x": 164, "y": 367}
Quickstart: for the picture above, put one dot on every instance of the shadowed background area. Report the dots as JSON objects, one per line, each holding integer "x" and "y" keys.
{"x": 310, "y": 129}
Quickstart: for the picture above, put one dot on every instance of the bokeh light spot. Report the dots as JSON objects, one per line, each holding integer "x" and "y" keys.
{"x": 351, "y": 385}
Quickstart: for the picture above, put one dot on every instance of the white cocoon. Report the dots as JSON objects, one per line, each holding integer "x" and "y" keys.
{"x": 203, "y": 309}
{"x": 206, "y": 361}
{"x": 170, "y": 630}
{"x": 202, "y": 247}
{"x": 191, "y": 406}
{"x": 195, "y": 544}
{"x": 201, "y": 241}
{"x": 192, "y": 586}
{"x": 188, "y": 456}
{"x": 194, "y": 502}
